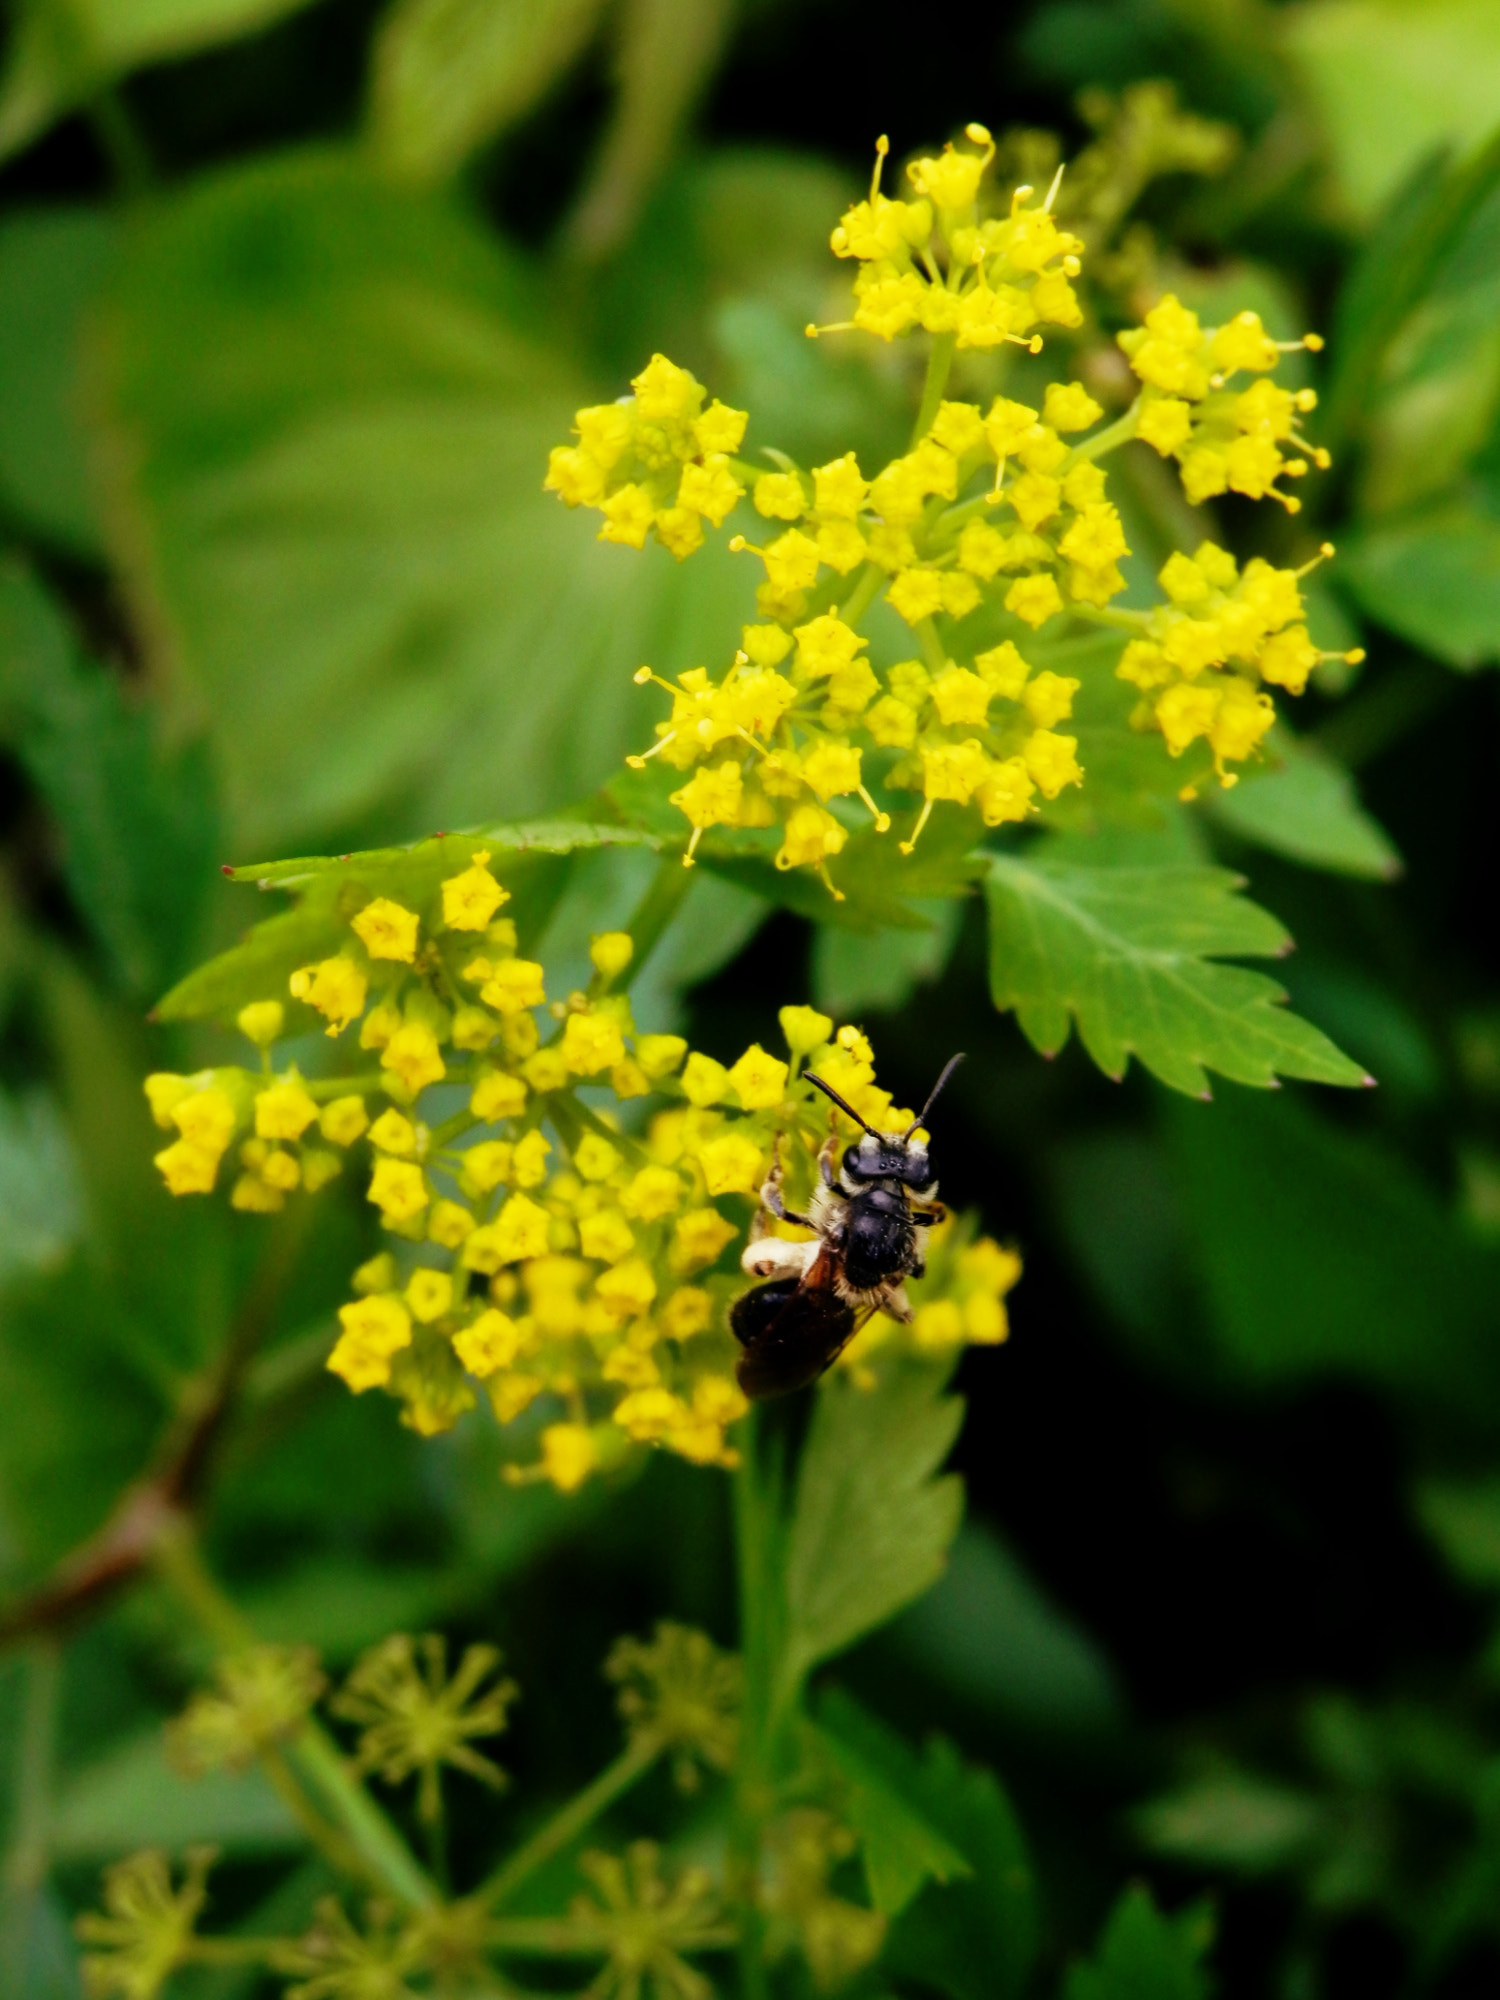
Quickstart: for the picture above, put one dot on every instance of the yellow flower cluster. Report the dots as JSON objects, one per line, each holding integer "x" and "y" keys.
{"x": 1220, "y": 633}
{"x": 657, "y": 461}
{"x": 936, "y": 264}
{"x": 809, "y": 706}
{"x": 1225, "y": 440}
{"x": 540, "y": 1250}
{"x": 994, "y": 523}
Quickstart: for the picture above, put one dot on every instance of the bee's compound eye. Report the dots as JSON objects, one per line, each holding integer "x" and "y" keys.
{"x": 917, "y": 1172}
{"x": 852, "y": 1163}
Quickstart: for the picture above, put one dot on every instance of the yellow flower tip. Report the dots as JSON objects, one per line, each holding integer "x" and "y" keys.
{"x": 687, "y": 859}
{"x": 907, "y": 846}
{"x": 1326, "y": 551}
{"x": 261, "y": 1022}
{"x": 611, "y": 952}
{"x": 737, "y": 544}
{"x": 811, "y": 331}
{"x": 1355, "y": 657}
{"x": 1313, "y": 342}
{"x": 979, "y": 134}
{"x": 882, "y": 822}
{"x": 641, "y": 676}
{"x": 635, "y": 763}
{"x": 1034, "y": 345}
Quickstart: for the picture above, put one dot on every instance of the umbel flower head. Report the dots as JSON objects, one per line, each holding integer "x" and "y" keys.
{"x": 263, "y": 1696}
{"x": 413, "y": 1718}
{"x": 337, "y": 1961}
{"x": 645, "y": 1923}
{"x": 553, "y": 1253}
{"x": 678, "y": 1692}
{"x": 992, "y": 537}
{"x": 146, "y": 1929}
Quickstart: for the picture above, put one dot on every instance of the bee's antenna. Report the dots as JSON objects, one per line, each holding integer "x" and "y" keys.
{"x": 848, "y": 1109}
{"x": 921, "y": 1118}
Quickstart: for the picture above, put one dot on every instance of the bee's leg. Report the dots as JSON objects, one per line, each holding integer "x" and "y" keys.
{"x": 774, "y": 1257}
{"x": 827, "y": 1154}
{"x": 928, "y": 1213}
{"x": 898, "y": 1305}
{"x": 770, "y": 1195}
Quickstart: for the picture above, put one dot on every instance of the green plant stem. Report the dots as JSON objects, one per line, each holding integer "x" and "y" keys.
{"x": 939, "y": 363}
{"x": 25, "y": 1866}
{"x": 756, "y": 1507}
{"x": 1121, "y": 431}
{"x": 867, "y": 587}
{"x": 568, "y": 1937}
{"x": 664, "y": 897}
{"x": 312, "y": 1755}
{"x": 932, "y": 645}
{"x": 565, "y": 1826}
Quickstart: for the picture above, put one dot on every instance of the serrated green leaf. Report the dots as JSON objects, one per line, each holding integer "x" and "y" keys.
{"x": 450, "y": 74}
{"x": 1144, "y": 1955}
{"x": 1463, "y": 1518}
{"x": 855, "y": 972}
{"x": 1435, "y": 579}
{"x": 1309, "y": 811}
{"x": 137, "y": 822}
{"x": 332, "y": 888}
{"x": 1231, "y": 1820}
{"x": 871, "y": 1522}
{"x": 899, "y": 1848}
{"x": 133, "y": 1798}
{"x": 1129, "y": 952}
{"x": 974, "y": 1939}
{"x": 334, "y": 399}
{"x": 53, "y": 265}
{"x": 59, "y": 57}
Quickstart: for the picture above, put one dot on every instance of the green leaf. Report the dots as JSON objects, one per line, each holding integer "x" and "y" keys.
{"x": 331, "y": 889}
{"x": 1463, "y": 1518}
{"x": 988, "y": 1633}
{"x": 450, "y": 74}
{"x": 1395, "y": 80}
{"x": 871, "y": 1522}
{"x": 1320, "y": 1254}
{"x": 900, "y": 1849}
{"x": 974, "y": 1939}
{"x": 1129, "y": 952}
{"x": 333, "y": 400}
{"x": 1309, "y": 811}
{"x": 41, "y": 1207}
{"x": 138, "y": 822}
{"x": 1401, "y": 261}
{"x": 854, "y": 972}
{"x": 133, "y": 1798}
{"x": 60, "y": 55}
{"x": 1435, "y": 579}
{"x": 1231, "y": 1820}
{"x": 1146, "y": 1956}
{"x": 53, "y": 265}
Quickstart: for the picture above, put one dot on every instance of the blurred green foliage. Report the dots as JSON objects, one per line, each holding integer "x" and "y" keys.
{"x": 292, "y": 302}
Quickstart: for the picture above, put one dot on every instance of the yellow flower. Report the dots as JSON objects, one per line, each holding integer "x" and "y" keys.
{"x": 471, "y": 899}
{"x": 473, "y": 1028}
{"x": 804, "y": 1028}
{"x": 398, "y": 1189}
{"x": 448, "y": 1224}
{"x": 486, "y": 1165}
{"x": 492, "y": 1341}
{"x": 412, "y": 1055}
{"x": 652, "y": 1193}
{"x": 1068, "y": 406}
{"x": 832, "y": 769}
{"x": 779, "y": 496}
{"x": 1051, "y": 761}
{"x": 569, "y": 1455}
{"x": 1005, "y": 793}
{"x": 811, "y": 835}
{"x": 704, "y": 1081}
{"x": 336, "y": 987}
{"x": 659, "y": 1055}
{"x": 605, "y": 1235}
{"x": 1034, "y": 599}
{"x": 839, "y": 488}
{"x": 711, "y": 797}
{"x": 960, "y": 696}
{"x": 892, "y": 723}
{"x": 594, "y": 1157}
{"x": 386, "y": 930}
{"x": 698, "y": 1238}
{"x": 611, "y": 952}
{"x": 688, "y": 1311}
{"x": 429, "y": 1294}
{"x": 515, "y": 984}
{"x": 394, "y": 1133}
{"x": 528, "y": 1166}
{"x": 592, "y": 1042}
{"x": 628, "y": 515}
{"x": 719, "y": 429}
{"x": 731, "y": 1163}
{"x": 916, "y": 594}
{"x": 758, "y": 1079}
{"x": 953, "y": 770}
{"x": 261, "y": 1022}
{"x": 186, "y": 1168}
{"x": 710, "y": 489}
{"x": 627, "y": 1288}
{"x": 1003, "y": 670}
{"x": 374, "y": 1330}
{"x": 520, "y": 1231}
{"x": 205, "y": 1117}
{"x": 1048, "y": 698}
{"x": 497, "y": 1096}
{"x": 284, "y": 1110}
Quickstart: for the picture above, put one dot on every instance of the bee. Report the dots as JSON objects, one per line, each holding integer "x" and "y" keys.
{"x": 869, "y": 1221}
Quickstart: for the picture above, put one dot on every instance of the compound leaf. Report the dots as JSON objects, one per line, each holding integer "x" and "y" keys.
{"x": 1129, "y": 953}
{"x": 1144, "y": 1955}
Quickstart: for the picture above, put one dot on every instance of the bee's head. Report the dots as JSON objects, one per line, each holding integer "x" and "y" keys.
{"x": 890, "y": 1156}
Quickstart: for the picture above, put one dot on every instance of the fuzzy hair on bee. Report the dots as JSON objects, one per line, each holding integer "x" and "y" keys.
{"x": 870, "y": 1212}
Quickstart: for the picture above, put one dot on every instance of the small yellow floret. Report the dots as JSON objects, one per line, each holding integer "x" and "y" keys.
{"x": 386, "y": 930}
{"x": 471, "y": 899}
